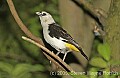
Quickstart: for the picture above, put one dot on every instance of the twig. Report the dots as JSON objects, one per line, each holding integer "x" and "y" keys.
{"x": 52, "y": 57}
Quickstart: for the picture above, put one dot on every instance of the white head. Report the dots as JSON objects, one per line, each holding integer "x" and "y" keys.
{"x": 45, "y": 18}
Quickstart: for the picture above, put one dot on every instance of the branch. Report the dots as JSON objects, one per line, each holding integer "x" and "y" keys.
{"x": 20, "y": 23}
{"x": 37, "y": 41}
{"x": 97, "y": 14}
{"x": 52, "y": 55}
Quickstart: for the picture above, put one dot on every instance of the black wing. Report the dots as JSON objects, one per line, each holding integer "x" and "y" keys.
{"x": 56, "y": 31}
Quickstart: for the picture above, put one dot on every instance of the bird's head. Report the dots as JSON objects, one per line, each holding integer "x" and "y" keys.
{"x": 45, "y": 18}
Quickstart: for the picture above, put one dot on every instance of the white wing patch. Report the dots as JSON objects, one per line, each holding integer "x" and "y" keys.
{"x": 63, "y": 39}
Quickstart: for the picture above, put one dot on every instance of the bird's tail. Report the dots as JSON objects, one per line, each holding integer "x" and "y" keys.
{"x": 82, "y": 52}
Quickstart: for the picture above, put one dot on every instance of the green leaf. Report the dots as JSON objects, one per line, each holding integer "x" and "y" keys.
{"x": 98, "y": 62}
{"x": 37, "y": 68}
{"x": 25, "y": 75}
{"x": 93, "y": 72}
{"x": 104, "y": 51}
{"x": 23, "y": 69}
{"x": 77, "y": 74}
{"x": 6, "y": 67}
{"x": 106, "y": 73}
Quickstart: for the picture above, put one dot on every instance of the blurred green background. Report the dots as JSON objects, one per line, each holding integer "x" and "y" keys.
{"x": 20, "y": 59}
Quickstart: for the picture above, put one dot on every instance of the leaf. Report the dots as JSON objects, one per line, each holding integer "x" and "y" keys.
{"x": 106, "y": 73}
{"x": 98, "y": 62}
{"x": 37, "y": 68}
{"x": 104, "y": 51}
{"x": 6, "y": 67}
{"x": 77, "y": 74}
{"x": 25, "y": 75}
{"x": 93, "y": 72}
{"x": 23, "y": 69}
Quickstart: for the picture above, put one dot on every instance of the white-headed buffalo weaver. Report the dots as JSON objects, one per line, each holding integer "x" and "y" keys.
{"x": 57, "y": 37}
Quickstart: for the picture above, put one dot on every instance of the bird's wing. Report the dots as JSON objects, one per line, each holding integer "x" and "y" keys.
{"x": 58, "y": 32}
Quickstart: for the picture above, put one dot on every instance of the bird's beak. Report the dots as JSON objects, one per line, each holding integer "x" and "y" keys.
{"x": 39, "y": 13}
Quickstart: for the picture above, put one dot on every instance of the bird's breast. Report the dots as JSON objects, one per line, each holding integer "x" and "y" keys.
{"x": 54, "y": 42}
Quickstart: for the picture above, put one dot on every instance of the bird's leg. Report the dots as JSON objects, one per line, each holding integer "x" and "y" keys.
{"x": 64, "y": 56}
{"x": 58, "y": 53}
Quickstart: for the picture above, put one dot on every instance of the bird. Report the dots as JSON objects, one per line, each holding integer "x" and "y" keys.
{"x": 57, "y": 37}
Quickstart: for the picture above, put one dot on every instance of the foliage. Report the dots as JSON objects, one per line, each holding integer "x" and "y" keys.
{"x": 104, "y": 51}
{"x": 17, "y": 57}
{"x": 19, "y": 70}
{"x": 100, "y": 63}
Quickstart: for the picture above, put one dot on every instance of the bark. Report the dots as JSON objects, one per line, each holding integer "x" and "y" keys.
{"x": 113, "y": 30}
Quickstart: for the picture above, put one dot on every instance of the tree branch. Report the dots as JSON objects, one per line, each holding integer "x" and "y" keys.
{"x": 20, "y": 23}
{"x": 37, "y": 41}
{"x": 52, "y": 56}
{"x": 97, "y": 14}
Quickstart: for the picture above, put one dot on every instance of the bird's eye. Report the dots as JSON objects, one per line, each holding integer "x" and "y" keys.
{"x": 43, "y": 14}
